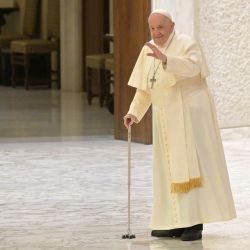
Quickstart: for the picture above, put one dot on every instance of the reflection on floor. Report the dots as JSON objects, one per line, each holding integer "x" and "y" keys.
{"x": 69, "y": 192}
{"x": 39, "y": 113}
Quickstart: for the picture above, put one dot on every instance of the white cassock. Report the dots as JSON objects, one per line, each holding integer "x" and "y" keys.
{"x": 190, "y": 178}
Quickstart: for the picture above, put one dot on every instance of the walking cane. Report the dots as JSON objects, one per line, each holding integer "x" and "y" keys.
{"x": 129, "y": 235}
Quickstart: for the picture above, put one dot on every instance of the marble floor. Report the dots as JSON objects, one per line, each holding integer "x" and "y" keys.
{"x": 63, "y": 180}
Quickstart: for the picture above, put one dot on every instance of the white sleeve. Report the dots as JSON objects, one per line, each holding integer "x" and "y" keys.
{"x": 140, "y": 104}
{"x": 187, "y": 65}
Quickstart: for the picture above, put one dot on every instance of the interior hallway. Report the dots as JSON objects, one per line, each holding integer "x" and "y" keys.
{"x": 50, "y": 113}
{"x": 63, "y": 179}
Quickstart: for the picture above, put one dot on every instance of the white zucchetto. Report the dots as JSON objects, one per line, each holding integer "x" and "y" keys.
{"x": 162, "y": 12}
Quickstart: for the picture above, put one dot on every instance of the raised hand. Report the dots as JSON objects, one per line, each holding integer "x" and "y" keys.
{"x": 156, "y": 53}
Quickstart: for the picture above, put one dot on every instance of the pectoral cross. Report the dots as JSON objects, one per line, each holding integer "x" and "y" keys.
{"x": 152, "y": 80}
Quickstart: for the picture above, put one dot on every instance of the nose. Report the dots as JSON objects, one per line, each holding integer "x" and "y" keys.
{"x": 156, "y": 33}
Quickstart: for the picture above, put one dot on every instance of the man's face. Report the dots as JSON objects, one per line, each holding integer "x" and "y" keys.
{"x": 160, "y": 28}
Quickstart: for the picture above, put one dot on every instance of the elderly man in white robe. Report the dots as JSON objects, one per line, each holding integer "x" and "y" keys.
{"x": 190, "y": 179}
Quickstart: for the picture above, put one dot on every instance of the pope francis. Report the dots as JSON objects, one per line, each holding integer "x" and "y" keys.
{"x": 190, "y": 180}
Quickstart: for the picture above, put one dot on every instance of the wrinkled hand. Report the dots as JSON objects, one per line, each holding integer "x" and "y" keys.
{"x": 156, "y": 53}
{"x": 128, "y": 120}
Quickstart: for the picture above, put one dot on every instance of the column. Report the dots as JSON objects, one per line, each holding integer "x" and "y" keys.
{"x": 71, "y": 45}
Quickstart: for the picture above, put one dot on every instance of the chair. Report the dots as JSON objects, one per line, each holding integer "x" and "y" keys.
{"x": 95, "y": 67}
{"x": 26, "y": 52}
{"x": 109, "y": 83}
{"x": 29, "y": 14}
{"x": 28, "y": 27}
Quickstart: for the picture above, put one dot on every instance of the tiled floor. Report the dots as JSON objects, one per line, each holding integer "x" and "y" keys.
{"x": 63, "y": 180}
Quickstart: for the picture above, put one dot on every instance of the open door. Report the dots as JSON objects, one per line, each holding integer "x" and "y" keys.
{"x": 130, "y": 33}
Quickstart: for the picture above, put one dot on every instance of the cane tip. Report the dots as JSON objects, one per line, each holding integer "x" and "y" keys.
{"x": 128, "y": 236}
{"x": 132, "y": 236}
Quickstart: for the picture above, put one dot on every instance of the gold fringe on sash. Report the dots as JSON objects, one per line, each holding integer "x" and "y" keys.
{"x": 186, "y": 186}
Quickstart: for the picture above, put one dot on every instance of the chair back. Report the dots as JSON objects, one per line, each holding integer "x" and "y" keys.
{"x": 50, "y": 19}
{"x": 30, "y": 16}
{"x": 53, "y": 24}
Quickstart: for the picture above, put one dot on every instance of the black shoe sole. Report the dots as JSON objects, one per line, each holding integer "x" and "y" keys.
{"x": 168, "y": 233}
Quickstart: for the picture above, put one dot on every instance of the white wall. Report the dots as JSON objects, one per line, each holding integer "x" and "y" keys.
{"x": 222, "y": 27}
{"x": 225, "y": 38}
{"x": 182, "y": 12}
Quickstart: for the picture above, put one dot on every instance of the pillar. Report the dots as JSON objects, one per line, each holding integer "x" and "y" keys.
{"x": 71, "y": 45}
